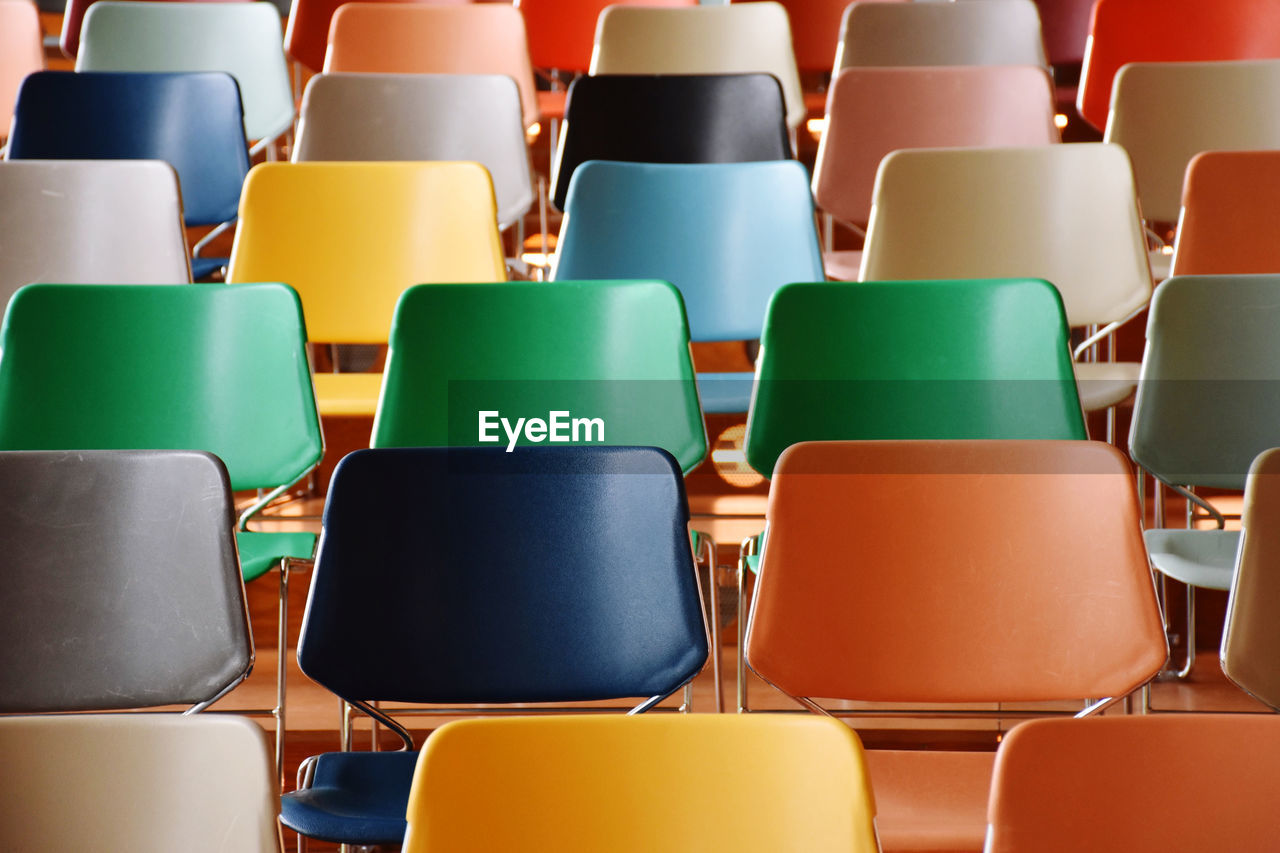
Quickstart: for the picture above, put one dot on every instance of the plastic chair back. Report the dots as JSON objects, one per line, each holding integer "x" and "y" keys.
{"x": 735, "y": 38}
{"x": 993, "y": 32}
{"x": 218, "y": 368}
{"x": 1164, "y": 113}
{"x": 1123, "y": 31}
{"x": 562, "y": 32}
{"x": 795, "y": 784}
{"x": 191, "y": 120}
{"x": 136, "y": 782}
{"x": 242, "y": 39}
{"x": 121, "y": 581}
{"x": 421, "y": 117}
{"x": 873, "y": 111}
{"x": 419, "y": 38}
{"x": 21, "y": 51}
{"x": 467, "y": 575}
{"x": 1064, "y": 213}
{"x": 306, "y": 36}
{"x": 926, "y": 359}
{"x": 1207, "y": 402}
{"x": 671, "y": 118}
{"x": 726, "y": 234}
{"x": 916, "y": 597}
{"x": 100, "y": 221}
{"x": 1228, "y": 203}
{"x": 525, "y": 349}
{"x": 1211, "y": 778}
{"x": 73, "y": 20}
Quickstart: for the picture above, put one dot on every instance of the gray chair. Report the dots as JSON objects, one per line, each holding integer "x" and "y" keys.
{"x": 1208, "y": 403}
{"x": 122, "y": 588}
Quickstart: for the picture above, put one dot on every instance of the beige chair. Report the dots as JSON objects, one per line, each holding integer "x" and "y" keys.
{"x": 1164, "y": 113}
{"x": 91, "y": 221}
{"x": 993, "y": 32}
{"x": 146, "y": 783}
{"x": 1064, "y": 213}
{"x": 421, "y": 117}
{"x": 873, "y": 111}
{"x": 729, "y": 39}
{"x": 1251, "y": 637}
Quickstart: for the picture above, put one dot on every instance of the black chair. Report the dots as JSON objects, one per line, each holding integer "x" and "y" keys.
{"x": 671, "y": 118}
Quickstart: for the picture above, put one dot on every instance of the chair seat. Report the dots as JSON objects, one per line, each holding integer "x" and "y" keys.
{"x": 842, "y": 265}
{"x": 354, "y": 797}
{"x": 348, "y": 393}
{"x": 1204, "y": 558}
{"x": 725, "y": 393}
{"x": 261, "y": 550}
{"x": 202, "y": 268}
{"x": 931, "y": 800}
{"x": 1105, "y": 383}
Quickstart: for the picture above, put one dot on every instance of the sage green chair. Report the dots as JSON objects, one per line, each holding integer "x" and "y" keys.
{"x": 154, "y": 367}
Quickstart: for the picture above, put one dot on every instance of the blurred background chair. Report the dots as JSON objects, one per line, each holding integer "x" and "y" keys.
{"x": 306, "y": 36}
{"x": 1065, "y": 27}
{"x": 791, "y": 785}
{"x": 1228, "y": 205}
{"x": 21, "y": 52}
{"x": 73, "y": 20}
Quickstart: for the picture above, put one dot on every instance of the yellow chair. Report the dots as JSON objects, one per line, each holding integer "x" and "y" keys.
{"x": 629, "y": 784}
{"x": 350, "y": 237}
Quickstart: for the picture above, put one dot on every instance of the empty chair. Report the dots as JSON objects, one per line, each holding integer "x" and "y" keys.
{"x": 671, "y": 118}
{"x": 994, "y": 32}
{"x": 99, "y": 221}
{"x": 791, "y": 785}
{"x": 730, "y": 39}
{"x": 1043, "y": 595}
{"x": 1206, "y": 407}
{"x": 506, "y": 604}
{"x": 351, "y": 237}
{"x": 873, "y": 111}
{"x": 1064, "y": 213}
{"x": 242, "y": 39}
{"x": 1065, "y": 26}
{"x": 1123, "y": 31}
{"x": 306, "y": 35}
{"x": 192, "y": 120}
{"x": 1142, "y": 783}
{"x": 417, "y": 38}
{"x": 726, "y": 234}
{"x": 421, "y": 117}
{"x": 1228, "y": 205}
{"x": 141, "y": 782}
{"x": 73, "y": 20}
{"x": 21, "y": 51}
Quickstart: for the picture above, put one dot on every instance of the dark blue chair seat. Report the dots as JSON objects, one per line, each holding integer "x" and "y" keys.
{"x": 353, "y": 798}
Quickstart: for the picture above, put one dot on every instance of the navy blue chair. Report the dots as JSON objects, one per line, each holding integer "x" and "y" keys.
{"x": 473, "y": 575}
{"x": 193, "y": 120}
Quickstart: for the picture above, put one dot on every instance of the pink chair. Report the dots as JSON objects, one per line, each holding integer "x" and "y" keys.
{"x": 21, "y": 51}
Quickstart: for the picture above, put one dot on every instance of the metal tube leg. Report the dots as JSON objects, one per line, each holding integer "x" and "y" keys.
{"x": 742, "y": 635}
{"x": 1191, "y": 633}
{"x": 714, "y": 604}
{"x": 282, "y": 663}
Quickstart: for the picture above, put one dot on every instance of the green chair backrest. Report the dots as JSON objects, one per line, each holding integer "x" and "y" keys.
{"x": 616, "y": 351}
{"x": 912, "y": 360}
{"x": 156, "y": 367}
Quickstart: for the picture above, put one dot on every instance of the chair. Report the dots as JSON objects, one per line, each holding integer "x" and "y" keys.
{"x": 242, "y": 39}
{"x": 121, "y": 581}
{"x": 21, "y": 51}
{"x": 1065, "y": 26}
{"x": 218, "y": 368}
{"x": 1227, "y": 204}
{"x": 873, "y": 111}
{"x": 1249, "y": 639}
{"x": 421, "y": 117}
{"x": 509, "y": 604}
{"x": 994, "y": 32}
{"x": 914, "y": 597}
{"x": 73, "y": 20}
{"x": 726, "y": 234}
{"x": 351, "y": 237}
{"x": 99, "y": 221}
{"x": 418, "y": 38}
{"x": 191, "y": 120}
{"x": 1205, "y": 409}
{"x": 142, "y": 782}
{"x": 670, "y": 118}
{"x": 790, "y": 784}
{"x": 1208, "y": 778}
{"x": 736, "y": 38}
{"x": 306, "y": 35}
{"x": 1064, "y": 213}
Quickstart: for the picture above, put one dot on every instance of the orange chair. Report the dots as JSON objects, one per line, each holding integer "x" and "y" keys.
{"x": 1150, "y": 783}
{"x": 981, "y": 572}
{"x": 1124, "y": 31}
{"x": 419, "y": 38}
{"x": 306, "y": 35}
{"x": 1230, "y": 201}
{"x": 21, "y": 52}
